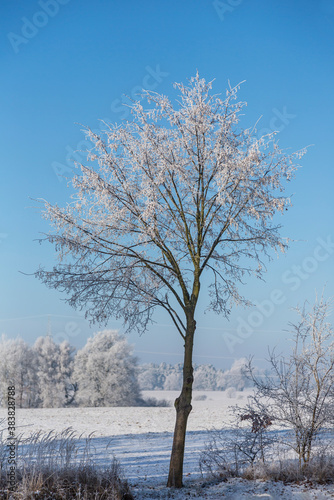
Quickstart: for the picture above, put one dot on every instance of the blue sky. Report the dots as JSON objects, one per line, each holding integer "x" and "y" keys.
{"x": 68, "y": 62}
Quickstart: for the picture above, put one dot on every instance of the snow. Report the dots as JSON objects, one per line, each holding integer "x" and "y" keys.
{"x": 141, "y": 439}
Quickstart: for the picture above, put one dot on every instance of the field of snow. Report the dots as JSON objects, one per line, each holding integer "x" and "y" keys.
{"x": 141, "y": 439}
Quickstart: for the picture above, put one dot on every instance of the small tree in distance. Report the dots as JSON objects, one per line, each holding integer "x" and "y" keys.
{"x": 177, "y": 192}
{"x": 299, "y": 392}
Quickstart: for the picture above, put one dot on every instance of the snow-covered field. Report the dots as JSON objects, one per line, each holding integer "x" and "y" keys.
{"x": 141, "y": 439}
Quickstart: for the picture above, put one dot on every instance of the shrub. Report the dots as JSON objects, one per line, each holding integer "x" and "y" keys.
{"x": 231, "y": 452}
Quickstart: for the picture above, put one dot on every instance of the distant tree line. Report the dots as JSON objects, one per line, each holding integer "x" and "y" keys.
{"x": 206, "y": 377}
{"x": 103, "y": 373}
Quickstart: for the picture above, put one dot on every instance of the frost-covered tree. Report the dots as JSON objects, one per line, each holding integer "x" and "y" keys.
{"x": 205, "y": 378}
{"x": 235, "y": 377}
{"x": 173, "y": 380}
{"x": 147, "y": 377}
{"x": 66, "y": 365}
{"x": 153, "y": 376}
{"x": 106, "y": 372}
{"x": 179, "y": 191}
{"x": 18, "y": 368}
{"x": 298, "y": 393}
{"x": 54, "y": 364}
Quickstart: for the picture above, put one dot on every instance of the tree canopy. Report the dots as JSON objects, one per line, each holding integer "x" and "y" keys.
{"x": 176, "y": 191}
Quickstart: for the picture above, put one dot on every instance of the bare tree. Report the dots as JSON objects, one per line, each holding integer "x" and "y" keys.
{"x": 176, "y": 192}
{"x": 299, "y": 392}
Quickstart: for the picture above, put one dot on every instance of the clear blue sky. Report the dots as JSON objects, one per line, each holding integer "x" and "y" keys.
{"x": 68, "y": 62}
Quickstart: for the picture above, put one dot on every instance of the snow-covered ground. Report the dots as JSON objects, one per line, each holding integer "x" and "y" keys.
{"x": 141, "y": 439}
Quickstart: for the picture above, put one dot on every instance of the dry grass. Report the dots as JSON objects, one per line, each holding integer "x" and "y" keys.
{"x": 61, "y": 466}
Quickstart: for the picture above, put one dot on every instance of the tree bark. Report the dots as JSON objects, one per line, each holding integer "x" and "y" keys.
{"x": 183, "y": 408}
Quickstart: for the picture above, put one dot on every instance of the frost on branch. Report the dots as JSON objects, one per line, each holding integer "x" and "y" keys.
{"x": 179, "y": 190}
{"x": 299, "y": 392}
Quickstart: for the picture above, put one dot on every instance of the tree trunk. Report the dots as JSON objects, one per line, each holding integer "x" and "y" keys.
{"x": 183, "y": 408}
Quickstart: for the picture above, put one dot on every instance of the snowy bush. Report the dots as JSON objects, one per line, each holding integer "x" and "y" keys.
{"x": 200, "y": 397}
{"x": 154, "y": 402}
{"x": 233, "y": 452}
